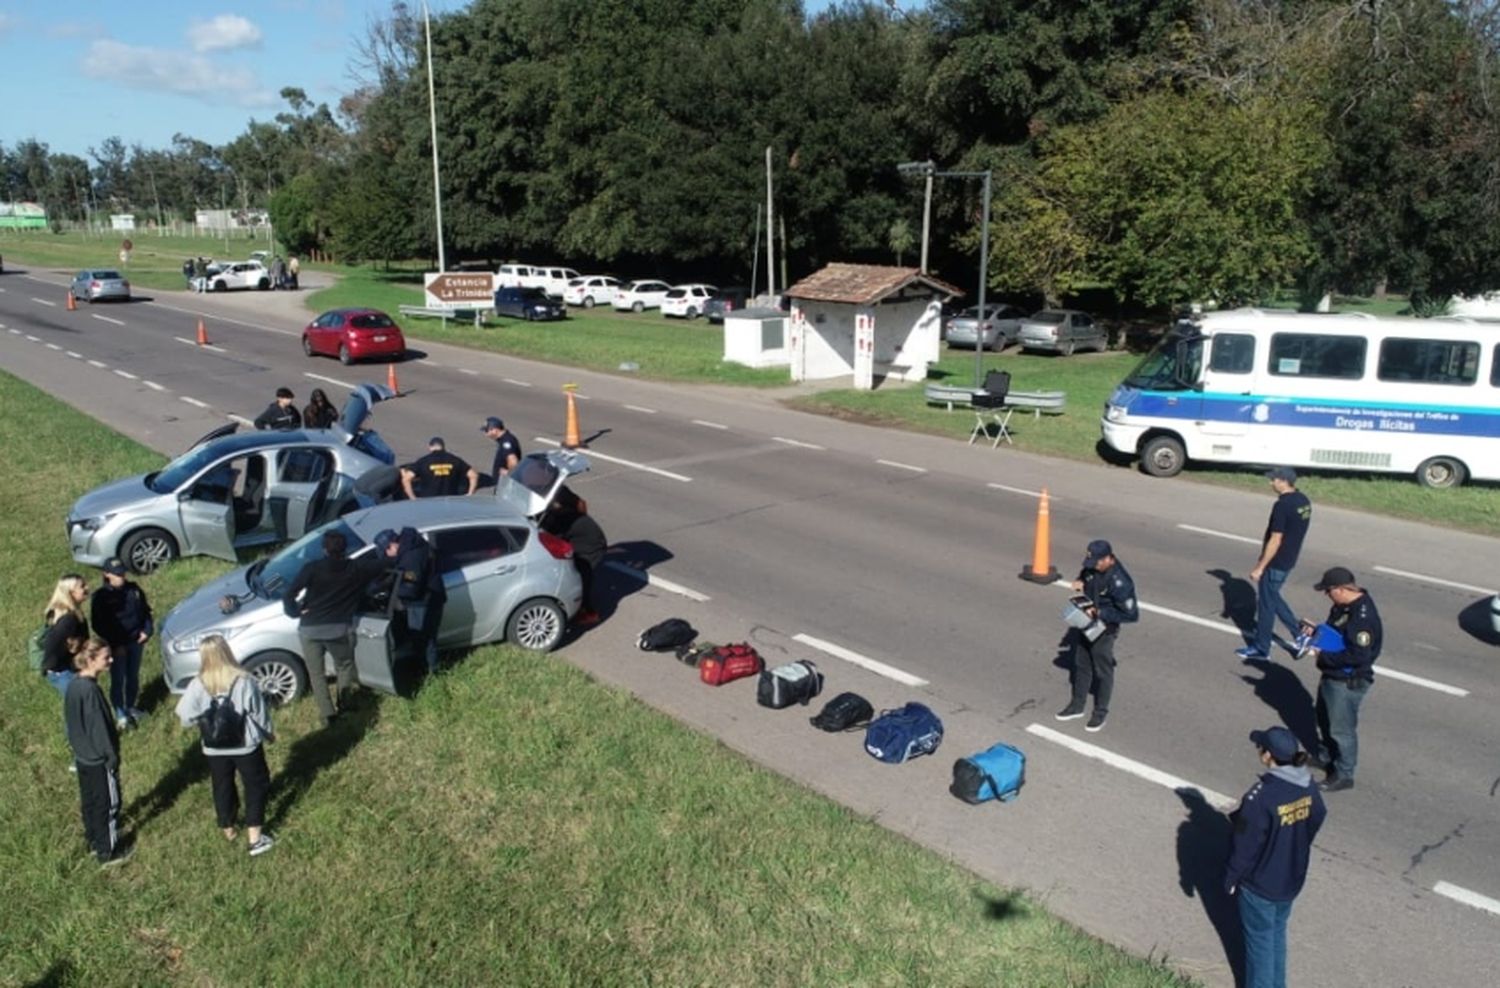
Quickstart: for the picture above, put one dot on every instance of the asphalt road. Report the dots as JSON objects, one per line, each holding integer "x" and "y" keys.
{"x": 892, "y": 560}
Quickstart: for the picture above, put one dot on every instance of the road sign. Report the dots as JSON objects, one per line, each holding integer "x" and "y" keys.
{"x": 459, "y": 289}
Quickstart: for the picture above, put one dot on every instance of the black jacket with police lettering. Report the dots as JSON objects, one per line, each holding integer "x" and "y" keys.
{"x": 417, "y": 575}
{"x": 1113, "y": 593}
{"x": 280, "y": 419}
{"x": 1274, "y": 828}
{"x": 1359, "y": 622}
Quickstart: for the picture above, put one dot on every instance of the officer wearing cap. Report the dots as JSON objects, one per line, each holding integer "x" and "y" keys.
{"x": 439, "y": 473}
{"x": 1285, "y": 531}
{"x": 121, "y": 615}
{"x": 419, "y": 591}
{"x": 1269, "y": 850}
{"x": 507, "y": 447}
{"x": 1111, "y": 594}
{"x": 1348, "y": 673}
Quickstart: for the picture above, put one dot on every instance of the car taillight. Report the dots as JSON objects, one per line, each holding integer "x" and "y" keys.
{"x": 95, "y": 284}
{"x": 558, "y": 548}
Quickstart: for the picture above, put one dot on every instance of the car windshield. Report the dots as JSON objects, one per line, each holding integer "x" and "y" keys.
{"x": 181, "y": 470}
{"x": 533, "y": 295}
{"x": 371, "y": 320}
{"x": 1173, "y": 365}
{"x": 269, "y": 577}
{"x": 1049, "y": 317}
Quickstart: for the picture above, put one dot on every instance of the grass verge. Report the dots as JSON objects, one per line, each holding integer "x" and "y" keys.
{"x": 155, "y": 262}
{"x": 514, "y": 823}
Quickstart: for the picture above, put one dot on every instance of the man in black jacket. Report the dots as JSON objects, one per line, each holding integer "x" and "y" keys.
{"x": 419, "y": 591}
{"x": 1111, "y": 595}
{"x": 96, "y": 753}
{"x": 331, "y": 588}
{"x": 568, "y": 518}
{"x": 121, "y": 615}
{"x": 280, "y": 415}
{"x": 1348, "y": 673}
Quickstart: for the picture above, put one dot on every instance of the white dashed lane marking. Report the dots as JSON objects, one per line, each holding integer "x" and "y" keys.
{"x": 643, "y": 410}
{"x": 54, "y": 346}
{"x": 863, "y": 661}
{"x": 901, "y": 466}
{"x": 241, "y": 419}
{"x": 75, "y": 356}
{"x": 519, "y": 384}
{"x": 194, "y": 401}
{"x": 153, "y": 386}
{"x": 656, "y": 581}
{"x": 1219, "y": 535}
{"x": 126, "y": 375}
{"x": 1460, "y": 894}
{"x": 1471, "y": 588}
{"x": 99, "y": 364}
{"x": 1138, "y": 769}
{"x": 469, "y": 371}
{"x": 546, "y": 441}
{"x": 42, "y": 301}
{"x": 329, "y": 380}
{"x": 796, "y": 442}
{"x": 709, "y": 425}
{"x": 1018, "y": 490}
{"x": 117, "y": 322}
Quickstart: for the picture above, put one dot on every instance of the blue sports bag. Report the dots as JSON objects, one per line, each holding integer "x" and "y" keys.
{"x": 997, "y": 772}
{"x": 898, "y": 735}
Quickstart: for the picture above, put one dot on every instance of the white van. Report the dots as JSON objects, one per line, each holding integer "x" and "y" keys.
{"x": 516, "y": 276}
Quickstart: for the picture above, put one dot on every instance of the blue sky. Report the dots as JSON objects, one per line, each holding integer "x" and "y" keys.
{"x": 74, "y": 73}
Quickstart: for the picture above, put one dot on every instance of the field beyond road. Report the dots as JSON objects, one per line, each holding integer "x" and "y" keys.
{"x": 514, "y": 823}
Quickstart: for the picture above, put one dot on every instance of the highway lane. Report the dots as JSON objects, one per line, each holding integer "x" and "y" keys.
{"x": 917, "y": 570}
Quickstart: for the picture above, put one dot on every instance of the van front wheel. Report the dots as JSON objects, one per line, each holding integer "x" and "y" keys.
{"x": 1441, "y": 472}
{"x": 1163, "y": 456}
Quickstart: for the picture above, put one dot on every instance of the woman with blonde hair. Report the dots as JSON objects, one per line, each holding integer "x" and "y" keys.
{"x": 67, "y": 630}
{"x": 226, "y": 703}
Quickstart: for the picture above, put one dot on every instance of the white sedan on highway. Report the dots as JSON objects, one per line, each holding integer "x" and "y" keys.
{"x": 240, "y": 274}
{"x": 639, "y": 296}
{"x": 591, "y": 290}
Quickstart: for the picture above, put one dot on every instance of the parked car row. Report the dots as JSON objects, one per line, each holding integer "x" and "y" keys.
{"x": 1062, "y": 331}
{"x": 552, "y": 281}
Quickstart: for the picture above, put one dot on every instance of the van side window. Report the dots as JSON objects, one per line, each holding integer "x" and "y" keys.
{"x": 1232, "y": 353}
{"x": 1317, "y": 355}
{"x": 1428, "y": 361}
{"x": 1495, "y": 367}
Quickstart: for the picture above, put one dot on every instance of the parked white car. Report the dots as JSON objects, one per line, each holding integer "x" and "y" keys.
{"x": 515, "y": 276}
{"x": 240, "y": 274}
{"x": 638, "y": 296}
{"x": 553, "y": 281}
{"x": 687, "y": 301}
{"x": 591, "y": 290}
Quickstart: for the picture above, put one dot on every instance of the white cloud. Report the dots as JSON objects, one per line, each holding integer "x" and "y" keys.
{"x": 224, "y": 33}
{"x": 159, "y": 70}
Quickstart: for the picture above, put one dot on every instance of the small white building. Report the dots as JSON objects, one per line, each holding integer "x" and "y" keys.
{"x": 865, "y": 320}
{"x": 756, "y": 337}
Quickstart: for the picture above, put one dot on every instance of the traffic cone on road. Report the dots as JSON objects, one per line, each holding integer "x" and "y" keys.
{"x": 202, "y": 333}
{"x": 390, "y": 378}
{"x": 571, "y": 437}
{"x": 72, "y": 302}
{"x": 1040, "y": 569}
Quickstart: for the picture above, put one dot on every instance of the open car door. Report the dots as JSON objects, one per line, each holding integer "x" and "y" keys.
{"x": 300, "y": 489}
{"x": 206, "y": 510}
{"x": 532, "y": 485}
{"x": 352, "y": 418}
{"x": 227, "y": 429}
{"x": 374, "y": 652}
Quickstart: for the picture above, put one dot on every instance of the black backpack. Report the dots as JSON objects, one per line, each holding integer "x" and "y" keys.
{"x": 844, "y": 712}
{"x": 667, "y": 636}
{"x": 222, "y": 725}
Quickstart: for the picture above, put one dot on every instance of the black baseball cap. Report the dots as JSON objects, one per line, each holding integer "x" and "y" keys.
{"x": 1336, "y": 577}
{"x": 114, "y": 567}
{"x": 1280, "y": 742}
{"x": 1286, "y": 474}
{"x": 491, "y": 423}
{"x": 1097, "y": 550}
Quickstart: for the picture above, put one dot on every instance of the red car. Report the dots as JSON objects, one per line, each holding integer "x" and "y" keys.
{"x": 354, "y": 334}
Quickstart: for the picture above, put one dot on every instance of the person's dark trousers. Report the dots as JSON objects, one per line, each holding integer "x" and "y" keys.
{"x": 99, "y": 802}
{"x": 423, "y": 619}
{"x": 341, "y": 651}
{"x": 125, "y": 677}
{"x": 254, "y": 775}
{"x": 1270, "y": 605}
{"x": 586, "y": 577}
{"x": 1338, "y": 723}
{"x": 1264, "y": 921}
{"x": 1093, "y": 661}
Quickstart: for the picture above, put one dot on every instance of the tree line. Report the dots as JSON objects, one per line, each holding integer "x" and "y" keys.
{"x": 1167, "y": 150}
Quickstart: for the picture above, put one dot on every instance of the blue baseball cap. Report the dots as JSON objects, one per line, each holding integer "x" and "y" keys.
{"x": 491, "y": 423}
{"x": 1280, "y": 742}
{"x": 1097, "y": 550}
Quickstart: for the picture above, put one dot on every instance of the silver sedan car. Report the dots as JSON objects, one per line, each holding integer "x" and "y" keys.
{"x": 100, "y": 285}
{"x": 506, "y": 579}
{"x": 234, "y": 491}
{"x": 995, "y": 331}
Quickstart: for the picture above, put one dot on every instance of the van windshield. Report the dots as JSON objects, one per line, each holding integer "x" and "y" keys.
{"x": 1173, "y": 365}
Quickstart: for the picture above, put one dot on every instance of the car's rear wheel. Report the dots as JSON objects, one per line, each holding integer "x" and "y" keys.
{"x": 345, "y": 357}
{"x": 221, "y": 286}
{"x": 637, "y": 307}
{"x": 1066, "y": 349}
{"x": 263, "y": 284}
{"x": 281, "y": 675}
{"x": 1442, "y": 472}
{"x": 537, "y": 625}
{"x": 307, "y": 347}
{"x": 588, "y": 301}
{"x": 692, "y": 313}
{"x": 148, "y": 550}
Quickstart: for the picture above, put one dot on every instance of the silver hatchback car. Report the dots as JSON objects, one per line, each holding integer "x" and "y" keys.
{"x": 100, "y": 285}
{"x": 1063, "y": 331}
{"x": 506, "y": 579}
{"x": 233, "y": 491}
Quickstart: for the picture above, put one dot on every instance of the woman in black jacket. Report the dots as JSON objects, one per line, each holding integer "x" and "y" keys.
{"x": 67, "y": 630}
{"x": 320, "y": 413}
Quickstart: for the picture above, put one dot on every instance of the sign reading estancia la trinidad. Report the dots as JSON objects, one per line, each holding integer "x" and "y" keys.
{"x": 459, "y": 289}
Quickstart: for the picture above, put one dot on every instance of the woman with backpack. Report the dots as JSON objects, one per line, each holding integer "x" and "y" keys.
{"x": 67, "y": 630}
{"x": 226, "y": 704}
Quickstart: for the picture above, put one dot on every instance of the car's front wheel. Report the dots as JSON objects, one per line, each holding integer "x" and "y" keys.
{"x": 588, "y": 301}
{"x": 148, "y": 550}
{"x": 1163, "y": 456}
{"x": 307, "y": 347}
{"x": 263, "y": 284}
{"x": 537, "y": 625}
{"x": 281, "y": 675}
{"x": 637, "y": 307}
{"x": 221, "y": 286}
{"x": 692, "y": 313}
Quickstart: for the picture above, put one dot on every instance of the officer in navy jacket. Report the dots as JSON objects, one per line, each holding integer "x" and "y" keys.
{"x": 1111, "y": 594}
{"x": 1348, "y": 674}
{"x": 419, "y": 591}
{"x": 1274, "y": 827}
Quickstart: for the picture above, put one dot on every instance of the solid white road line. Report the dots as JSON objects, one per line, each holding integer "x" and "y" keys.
{"x": 545, "y": 441}
{"x": 194, "y": 401}
{"x": 797, "y": 442}
{"x": 99, "y": 364}
{"x": 1460, "y": 894}
{"x": 201, "y": 346}
{"x": 469, "y": 371}
{"x": 153, "y": 386}
{"x": 117, "y": 322}
{"x": 519, "y": 384}
{"x": 32, "y": 338}
{"x": 1406, "y": 677}
{"x": 1018, "y": 490}
{"x": 709, "y": 425}
{"x": 329, "y": 380}
{"x": 657, "y": 581}
{"x": 75, "y": 356}
{"x": 1220, "y": 535}
{"x": 42, "y": 301}
{"x": 901, "y": 466}
{"x": 54, "y": 346}
{"x": 863, "y": 661}
{"x": 126, "y": 375}
{"x": 1485, "y": 591}
{"x": 639, "y": 408}
{"x": 1138, "y": 769}
{"x": 13, "y": 332}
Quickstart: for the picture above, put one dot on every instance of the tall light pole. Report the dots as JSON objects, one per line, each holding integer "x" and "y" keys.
{"x": 928, "y": 169}
{"x": 437, "y": 195}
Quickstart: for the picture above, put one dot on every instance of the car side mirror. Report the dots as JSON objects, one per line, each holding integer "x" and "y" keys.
{"x": 184, "y": 496}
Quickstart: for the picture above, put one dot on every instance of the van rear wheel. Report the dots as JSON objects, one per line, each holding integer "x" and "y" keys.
{"x": 1442, "y": 472}
{"x": 1163, "y": 456}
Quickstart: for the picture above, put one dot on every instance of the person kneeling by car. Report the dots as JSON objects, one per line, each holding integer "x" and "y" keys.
{"x": 568, "y": 517}
{"x": 418, "y": 590}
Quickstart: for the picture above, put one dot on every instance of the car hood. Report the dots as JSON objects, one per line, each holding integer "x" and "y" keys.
{"x": 200, "y": 610}
{"x": 112, "y": 497}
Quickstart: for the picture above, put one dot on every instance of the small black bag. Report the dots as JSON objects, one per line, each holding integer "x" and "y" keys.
{"x": 844, "y": 712}
{"x": 222, "y": 725}
{"x": 670, "y": 634}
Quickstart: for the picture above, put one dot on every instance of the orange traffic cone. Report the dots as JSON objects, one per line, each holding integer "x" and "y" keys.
{"x": 390, "y": 378}
{"x": 202, "y": 333}
{"x": 1041, "y": 570}
{"x": 72, "y": 302}
{"x": 571, "y": 438}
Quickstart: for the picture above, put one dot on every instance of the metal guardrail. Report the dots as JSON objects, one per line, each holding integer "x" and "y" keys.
{"x": 475, "y": 314}
{"x": 1036, "y": 402}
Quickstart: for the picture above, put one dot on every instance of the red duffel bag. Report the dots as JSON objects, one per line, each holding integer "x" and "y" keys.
{"x": 727, "y": 663}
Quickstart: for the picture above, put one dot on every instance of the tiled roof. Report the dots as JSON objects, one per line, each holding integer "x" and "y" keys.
{"x": 863, "y": 284}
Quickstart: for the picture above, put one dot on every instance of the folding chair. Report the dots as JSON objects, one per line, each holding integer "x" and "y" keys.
{"x": 990, "y": 408}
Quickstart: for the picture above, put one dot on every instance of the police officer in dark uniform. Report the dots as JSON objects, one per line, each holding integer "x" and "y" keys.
{"x": 419, "y": 591}
{"x": 507, "y": 447}
{"x": 280, "y": 415}
{"x": 439, "y": 473}
{"x": 1348, "y": 673}
{"x": 1111, "y": 594}
{"x": 568, "y": 518}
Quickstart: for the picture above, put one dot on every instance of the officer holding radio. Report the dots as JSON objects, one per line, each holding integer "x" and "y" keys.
{"x": 1108, "y": 601}
{"x": 1348, "y": 667}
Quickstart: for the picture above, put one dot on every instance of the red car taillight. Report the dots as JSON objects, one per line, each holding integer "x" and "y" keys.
{"x": 558, "y": 548}
{"x": 94, "y": 286}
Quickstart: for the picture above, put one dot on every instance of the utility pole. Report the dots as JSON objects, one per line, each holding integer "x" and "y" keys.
{"x": 437, "y": 194}
{"x": 926, "y": 220}
{"x": 770, "y": 233}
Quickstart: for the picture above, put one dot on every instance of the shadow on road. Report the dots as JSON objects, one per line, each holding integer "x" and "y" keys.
{"x": 1475, "y": 621}
{"x": 1202, "y": 849}
{"x": 1238, "y": 600}
{"x": 1280, "y": 689}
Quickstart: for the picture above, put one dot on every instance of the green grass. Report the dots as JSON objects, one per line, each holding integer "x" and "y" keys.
{"x": 516, "y": 824}
{"x": 155, "y": 262}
